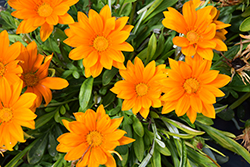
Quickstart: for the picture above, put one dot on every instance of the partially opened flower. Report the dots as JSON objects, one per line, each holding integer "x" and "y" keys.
{"x": 199, "y": 29}
{"x": 99, "y": 40}
{"x": 140, "y": 88}
{"x": 191, "y": 87}
{"x": 35, "y": 74}
{"x": 9, "y": 68}
{"x": 44, "y": 13}
{"x": 92, "y": 138}
{"x": 14, "y": 113}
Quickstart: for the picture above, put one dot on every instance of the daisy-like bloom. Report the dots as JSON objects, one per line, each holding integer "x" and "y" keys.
{"x": 35, "y": 74}
{"x": 140, "y": 88}
{"x": 99, "y": 40}
{"x": 14, "y": 113}
{"x": 92, "y": 138}
{"x": 220, "y": 26}
{"x": 198, "y": 29}
{"x": 10, "y": 71}
{"x": 191, "y": 87}
{"x": 44, "y": 13}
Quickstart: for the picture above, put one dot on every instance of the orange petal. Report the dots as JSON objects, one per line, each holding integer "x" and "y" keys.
{"x": 182, "y": 105}
{"x": 45, "y": 31}
{"x": 76, "y": 153}
{"x": 192, "y": 114}
{"x": 206, "y": 96}
{"x": 208, "y": 110}
{"x": 54, "y": 83}
{"x": 65, "y": 19}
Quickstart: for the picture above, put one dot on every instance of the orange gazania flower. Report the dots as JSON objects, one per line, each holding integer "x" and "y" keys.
{"x": 220, "y": 26}
{"x": 192, "y": 87}
{"x": 9, "y": 69}
{"x": 44, "y": 13}
{"x": 99, "y": 41}
{"x": 140, "y": 88}
{"x": 199, "y": 30}
{"x": 92, "y": 138}
{"x": 14, "y": 113}
{"x": 35, "y": 74}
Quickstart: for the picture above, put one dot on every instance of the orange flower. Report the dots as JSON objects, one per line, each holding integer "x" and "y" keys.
{"x": 44, "y": 13}
{"x": 92, "y": 138}
{"x": 140, "y": 87}
{"x": 99, "y": 41}
{"x": 192, "y": 87}
{"x": 9, "y": 68}
{"x": 35, "y": 74}
{"x": 14, "y": 113}
{"x": 199, "y": 30}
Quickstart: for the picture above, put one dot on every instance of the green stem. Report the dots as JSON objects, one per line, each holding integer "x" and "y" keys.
{"x": 132, "y": 13}
{"x": 239, "y": 101}
{"x": 58, "y": 104}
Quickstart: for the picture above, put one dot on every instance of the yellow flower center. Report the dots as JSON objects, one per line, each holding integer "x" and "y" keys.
{"x": 193, "y": 37}
{"x": 2, "y": 69}
{"x": 94, "y": 138}
{"x": 44, "y": 10}
{"x": 5, "y": 114}
{"x": 141, "y": 89}
{"x": 100, "y": 43}
{"x": 30, "y": 79}
{"x": 191, "y": 85}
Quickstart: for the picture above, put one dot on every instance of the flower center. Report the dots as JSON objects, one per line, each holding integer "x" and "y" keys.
{"x": 94, "y": 138}
{"x": 5, "y": 114}
{"x": 100, "y": 43}
{"x": 193, "y": 37}
{"x": 141, "y": 89}
{"x": 30, "y": 79}
{"x": 191, "y": 85}
{"x": 44, "y": 10}
{"x": 2, "y": 69}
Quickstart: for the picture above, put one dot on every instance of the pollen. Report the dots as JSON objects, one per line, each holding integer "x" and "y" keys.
{"x": 94, "y": 138}
{"x": 141, "y": 89}
{"x": 191, "y": 85}
{"x": 193, "y": 37}
{"x": 44, "y": 10}
{"x": 2, "y": 69}
{"x": 5, "y": 114}
{"x": 30, "y": 79}
{"x": 100, "y": 43}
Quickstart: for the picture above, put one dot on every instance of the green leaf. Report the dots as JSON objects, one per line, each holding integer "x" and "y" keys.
{"x": 20, "y": 155}
{"x": 35, "y": 154}
{"x": 138, "y": 146}
{"x": 184, "y": 136}
{"x": 108, "y": 75}
{"x": 44, "y": 119}
{"x": 225, "y": 141}
{"x": 52, "y": 145}
{"x": 9, "y": 20}
{"x": 183, "y": 160}
{"x": 183, "y": 127}
{"x": 62, "y": 110}
{"x": 164, "y": 151}
{"x": 245, "y": 25}
{"x": 157, "y": 7}
{"x": 204, "y": 120}
{"x": 219, "y": 109}
{"x": 157, "y": 158}
{"x": 76, "y": 74}
{"x": 137, "y": 126}
{"x": 152, "y": 44}
{"x": 85, "y": 93}
{"x": 199, "y": 159}
{"x": 226, "y": 114}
